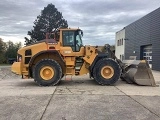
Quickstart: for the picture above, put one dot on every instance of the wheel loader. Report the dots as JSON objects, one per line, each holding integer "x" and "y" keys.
{"x": 62, "y": 53}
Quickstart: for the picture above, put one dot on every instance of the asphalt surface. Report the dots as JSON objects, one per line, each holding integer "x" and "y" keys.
{"x": 79, "y": 98}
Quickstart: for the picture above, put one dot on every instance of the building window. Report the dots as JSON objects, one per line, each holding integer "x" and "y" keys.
{"x": 120, "y": 42}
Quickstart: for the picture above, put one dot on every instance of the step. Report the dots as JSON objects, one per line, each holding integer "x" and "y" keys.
{"x": 69, "y": 67}
{"x": 24, "y": 71}
{"x": 77, "y": 73}
{"x": 77, "y": 70}
{"x": 69, "y": 74}
{"x": 79, "y": 62}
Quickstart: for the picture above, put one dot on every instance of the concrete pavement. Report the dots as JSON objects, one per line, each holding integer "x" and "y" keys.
{"x": 79, "y": 99}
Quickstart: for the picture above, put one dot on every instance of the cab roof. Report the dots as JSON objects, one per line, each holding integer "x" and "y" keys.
{"x": 63, "y": 29}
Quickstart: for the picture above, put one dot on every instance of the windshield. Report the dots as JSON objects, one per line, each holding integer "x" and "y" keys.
{"x": 79, "y": 38}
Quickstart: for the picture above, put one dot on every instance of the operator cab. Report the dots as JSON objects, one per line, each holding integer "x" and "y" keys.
{"x": 72, "y": 38}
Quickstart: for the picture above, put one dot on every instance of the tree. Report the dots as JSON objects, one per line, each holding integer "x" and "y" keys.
{"x": 2, "y": 51}
{"x": 49, "y": 20}
{"x": 8, "y": 50}
{"x": 12, "y": 49}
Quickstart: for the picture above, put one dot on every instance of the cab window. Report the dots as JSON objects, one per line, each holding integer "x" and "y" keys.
{"x": 79, "y": 43}
{"x": 72, "y": 39}
{"x": 68, "y": 39}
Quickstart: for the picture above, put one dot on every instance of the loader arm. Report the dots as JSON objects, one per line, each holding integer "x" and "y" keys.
{"x": 112, "y": 55}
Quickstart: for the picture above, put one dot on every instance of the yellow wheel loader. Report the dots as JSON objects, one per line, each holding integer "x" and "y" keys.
{"x": 62, "y": 53}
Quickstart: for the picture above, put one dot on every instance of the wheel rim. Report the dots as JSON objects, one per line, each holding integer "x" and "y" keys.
{"x": 107, "y": 72}
{"x": 47, "y": 72}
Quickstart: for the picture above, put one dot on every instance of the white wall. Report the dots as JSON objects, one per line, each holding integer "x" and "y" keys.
{"x": 119, "y": 49}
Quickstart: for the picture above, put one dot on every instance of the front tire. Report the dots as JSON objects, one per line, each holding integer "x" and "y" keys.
{"x": 106, "y": 71}
{"x": 47, "y": 72}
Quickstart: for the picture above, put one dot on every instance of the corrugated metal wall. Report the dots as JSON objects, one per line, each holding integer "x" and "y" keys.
{"x": 145, "y": 31}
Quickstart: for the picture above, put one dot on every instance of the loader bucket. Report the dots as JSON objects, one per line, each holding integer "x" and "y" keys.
{"x": 140, "y": 73}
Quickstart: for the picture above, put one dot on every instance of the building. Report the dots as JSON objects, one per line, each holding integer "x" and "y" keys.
{"x": 120, "y": 44}
{"x": 141, "y": 40}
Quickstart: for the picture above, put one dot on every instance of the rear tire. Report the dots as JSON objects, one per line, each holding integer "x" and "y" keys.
{"x": 106, "y": 71}
{"x": 47, "y": 72}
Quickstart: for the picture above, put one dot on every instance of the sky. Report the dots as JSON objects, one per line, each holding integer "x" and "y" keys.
{"x": 99, "y": 19}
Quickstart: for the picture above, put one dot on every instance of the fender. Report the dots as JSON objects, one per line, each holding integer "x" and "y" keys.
{"x": 46, "y": 51}
{"x": 40, "y": 53}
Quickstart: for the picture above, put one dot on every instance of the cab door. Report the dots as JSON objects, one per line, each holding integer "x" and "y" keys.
{"x": 69, "y": 51}
{"x": 68, "y": 43}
